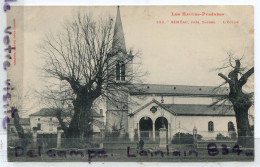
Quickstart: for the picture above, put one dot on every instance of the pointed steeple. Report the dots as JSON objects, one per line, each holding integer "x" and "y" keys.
{"x": 118, "y": 38}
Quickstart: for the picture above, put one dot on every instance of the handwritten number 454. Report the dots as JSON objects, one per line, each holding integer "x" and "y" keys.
{"x": 213, "y": 149}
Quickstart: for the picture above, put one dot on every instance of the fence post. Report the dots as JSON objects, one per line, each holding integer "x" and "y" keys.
{"x": 35, "y": 136}
{"x": 195, "y": 137}
{"x": 102, "y": 135}
{"x": 59, "y": 131}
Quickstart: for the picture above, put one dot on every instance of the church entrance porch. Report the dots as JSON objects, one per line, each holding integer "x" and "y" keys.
{"x": 150, "y": 130}
{"x": 147, "y": 121}
{"x": 146, "y": 128}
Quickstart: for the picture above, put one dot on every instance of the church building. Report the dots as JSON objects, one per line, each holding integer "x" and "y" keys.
{"x": 143, "y": 112}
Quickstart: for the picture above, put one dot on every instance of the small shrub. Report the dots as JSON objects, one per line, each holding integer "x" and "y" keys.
{"x": 233, "y": 135}
{"x": 222, "y": 137}
{"x": 184, "y": 138}
{"x": 114, "y": 134}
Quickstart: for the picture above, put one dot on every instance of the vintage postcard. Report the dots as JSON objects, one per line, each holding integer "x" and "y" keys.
{"x": 130, "y": 83}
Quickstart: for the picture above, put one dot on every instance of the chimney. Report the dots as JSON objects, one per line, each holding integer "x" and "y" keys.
{"x": 101, "y": 111}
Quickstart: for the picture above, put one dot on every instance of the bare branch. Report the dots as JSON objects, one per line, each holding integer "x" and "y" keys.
{"x": 244, "y": 78}
{"x": 224, "y": 77}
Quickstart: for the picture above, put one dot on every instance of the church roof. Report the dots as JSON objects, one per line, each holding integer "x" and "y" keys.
{"x": 179, "y": 90}
{"x": 200, "y": 110}
{"x": 118, "y": 38}
{"x": 192, "y": 109}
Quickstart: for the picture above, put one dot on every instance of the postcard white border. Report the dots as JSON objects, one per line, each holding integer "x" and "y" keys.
{"x": 256, "y": 4}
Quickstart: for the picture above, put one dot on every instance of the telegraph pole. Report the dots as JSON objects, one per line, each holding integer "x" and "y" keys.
{"x": 179, "y": 132}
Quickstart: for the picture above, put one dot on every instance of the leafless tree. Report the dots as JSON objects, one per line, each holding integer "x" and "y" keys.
{"x": 82, "y": 57}
{"x": 240, "y": 99}
{"x": 58, "y": 99}
{"x": 19, "y": 104}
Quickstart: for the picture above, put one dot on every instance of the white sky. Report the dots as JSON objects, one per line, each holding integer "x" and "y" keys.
{"x": 171, "y": 53}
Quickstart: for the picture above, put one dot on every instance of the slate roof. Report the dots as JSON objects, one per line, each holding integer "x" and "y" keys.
{"x": 52, "y": 113}
{"x": 192, "y": 109}
{"x": 178, "y": 90}
{"x": 23, "y": 121}
{"x": 201, "y": 110}
{"x": 45, "y": 112}
{"x": 118, "y": 38}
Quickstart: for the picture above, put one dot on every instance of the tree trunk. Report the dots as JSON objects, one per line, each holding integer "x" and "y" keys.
{"x": 85, "y": 119}
{"x": 81, "y": 123}
{"x": 243, "y": 128}
{"x": 241, "y": 102}
{"x": 241, "y": 105}
{"x": 73, "y": 130}
{"x": 19, "y": 127}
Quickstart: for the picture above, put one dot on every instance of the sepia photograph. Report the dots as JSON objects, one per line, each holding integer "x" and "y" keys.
{"x": 130, "y": 83}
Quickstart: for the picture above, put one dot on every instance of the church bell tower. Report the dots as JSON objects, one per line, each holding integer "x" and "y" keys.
{"x": 119, "y": 78}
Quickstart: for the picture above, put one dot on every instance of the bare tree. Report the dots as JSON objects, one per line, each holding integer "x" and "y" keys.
{"x": 82, "y": 57}
{"x": 58, "y": 99}
{"x": 19, "y": 103}
{"x": 241, "y": 101}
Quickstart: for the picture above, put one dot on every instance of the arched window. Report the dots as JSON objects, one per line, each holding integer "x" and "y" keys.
{"x": 231, "y": 126}
{"x": 123, "y": 72}
{"x": 210, "y": 126}
{"x": 120, "y": 71}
